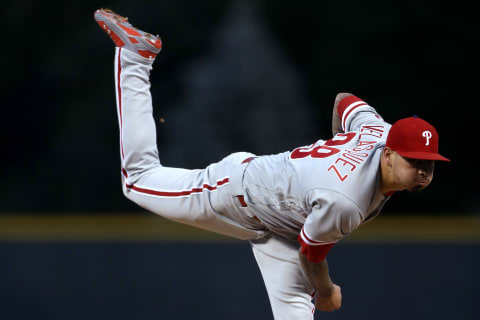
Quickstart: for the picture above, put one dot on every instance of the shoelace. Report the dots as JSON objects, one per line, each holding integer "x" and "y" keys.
{"x": 117, "y": 17}
{"x": 121, "y": 19}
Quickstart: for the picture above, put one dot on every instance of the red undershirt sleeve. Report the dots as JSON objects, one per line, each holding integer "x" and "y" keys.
{"x": 333, "y": 217}
{"x": 314, "y": 253}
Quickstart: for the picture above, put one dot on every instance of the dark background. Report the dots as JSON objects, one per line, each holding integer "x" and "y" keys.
{"x": 258, "y": 76}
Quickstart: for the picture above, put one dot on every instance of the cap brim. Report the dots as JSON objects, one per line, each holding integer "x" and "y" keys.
{"x": 423, "y": 156}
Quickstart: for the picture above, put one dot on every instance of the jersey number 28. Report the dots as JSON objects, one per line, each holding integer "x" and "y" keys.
{"x": 325, "y": 150}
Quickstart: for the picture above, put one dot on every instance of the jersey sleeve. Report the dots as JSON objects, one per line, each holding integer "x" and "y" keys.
{"x": 333, "y": 217}
{"x": 354, "y": 112}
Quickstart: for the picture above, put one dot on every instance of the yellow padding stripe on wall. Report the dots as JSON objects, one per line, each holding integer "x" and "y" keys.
{"x": 148, "y": 227}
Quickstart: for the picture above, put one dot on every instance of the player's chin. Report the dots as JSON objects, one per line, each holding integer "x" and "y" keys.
{"x": 419, "y": 186}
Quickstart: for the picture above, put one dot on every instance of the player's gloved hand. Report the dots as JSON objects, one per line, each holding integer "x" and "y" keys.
{"x": 330, "y": 302}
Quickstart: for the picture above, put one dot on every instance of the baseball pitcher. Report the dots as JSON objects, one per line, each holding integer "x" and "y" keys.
{"x": 293, "y": 206}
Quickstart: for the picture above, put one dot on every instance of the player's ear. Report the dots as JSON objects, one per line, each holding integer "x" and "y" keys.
{"x": 388, "y": 155}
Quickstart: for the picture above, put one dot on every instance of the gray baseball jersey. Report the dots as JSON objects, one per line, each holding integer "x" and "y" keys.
{"x": 322, "y": 191}
{"x": 326, "y": 190}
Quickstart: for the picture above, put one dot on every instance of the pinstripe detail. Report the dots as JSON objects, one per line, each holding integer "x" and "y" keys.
{"x": 308, "y": 240}
{"x": 178, "y": 193}
{"x": 349, "y": 110}
{"x": 119, "y": 95}
{"x": 118, "y": 79}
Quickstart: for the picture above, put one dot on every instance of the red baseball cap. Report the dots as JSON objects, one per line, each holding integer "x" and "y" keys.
{"x": 414, "y": 138}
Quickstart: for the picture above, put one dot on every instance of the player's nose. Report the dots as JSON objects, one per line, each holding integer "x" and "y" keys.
{"x": 425, "y": 168}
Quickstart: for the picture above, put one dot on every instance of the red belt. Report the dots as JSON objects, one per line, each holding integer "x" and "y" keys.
{"x": 241, "y": 199}
{"x": 248, "y": 160}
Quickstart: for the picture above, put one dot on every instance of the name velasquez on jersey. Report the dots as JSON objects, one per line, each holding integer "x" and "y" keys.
{"x": 351, "y": 158}
{"x": 326, "y": 190}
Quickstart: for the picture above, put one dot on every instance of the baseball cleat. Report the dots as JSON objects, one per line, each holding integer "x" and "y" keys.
{"x": 124, "y": 35}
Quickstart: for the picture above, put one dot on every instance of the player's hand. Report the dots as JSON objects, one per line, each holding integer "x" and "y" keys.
{"x": 331, "y": 302}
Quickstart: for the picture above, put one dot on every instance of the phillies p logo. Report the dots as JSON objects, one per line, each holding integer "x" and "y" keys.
{"x": 427, "y": 135}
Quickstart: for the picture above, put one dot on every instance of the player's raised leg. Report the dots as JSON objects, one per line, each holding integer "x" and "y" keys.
{"x": 134, "y": 55}
{"x": 145, "y": 181}
{"x": 181, "y": 195}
